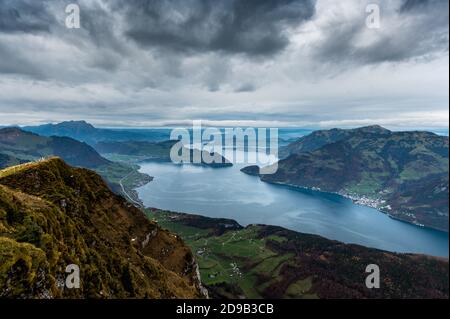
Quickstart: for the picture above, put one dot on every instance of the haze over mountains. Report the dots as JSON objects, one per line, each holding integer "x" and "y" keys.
{"x": 85, "y": 132}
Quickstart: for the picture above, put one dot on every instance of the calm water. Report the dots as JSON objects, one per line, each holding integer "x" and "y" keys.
{"x": 229, "y": 193}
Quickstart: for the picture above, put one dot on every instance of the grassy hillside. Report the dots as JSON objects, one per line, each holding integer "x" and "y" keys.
{"x": 272, "y": 262}
{"x": 53, "y": 215}
{"x": 402, "y": 173}
{"x": 317, "y": 139}
{"x": 29, "y": 146}
{"x": 18, "y": 146}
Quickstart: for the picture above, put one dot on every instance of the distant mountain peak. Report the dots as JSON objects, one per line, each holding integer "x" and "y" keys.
{"x": 12, "y": 130}
{"x": 14, "y": 133}
{"x": 76, "y": 124}
{"x": 373, "y": 129}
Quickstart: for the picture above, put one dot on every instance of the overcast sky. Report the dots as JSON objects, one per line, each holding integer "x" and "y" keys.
{"x": 302, "y": 63}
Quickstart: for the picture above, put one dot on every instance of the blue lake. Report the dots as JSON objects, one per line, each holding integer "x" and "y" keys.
{"x": 229, "y": 193}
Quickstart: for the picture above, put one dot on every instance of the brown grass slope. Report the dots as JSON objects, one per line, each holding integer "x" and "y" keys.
{"x": 53, "y": 215}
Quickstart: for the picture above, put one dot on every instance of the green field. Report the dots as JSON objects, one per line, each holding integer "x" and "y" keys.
{"x": 237, "y": 260}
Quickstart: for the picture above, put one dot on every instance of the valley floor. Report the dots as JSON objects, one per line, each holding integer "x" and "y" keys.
{"x": 271, "y": 262}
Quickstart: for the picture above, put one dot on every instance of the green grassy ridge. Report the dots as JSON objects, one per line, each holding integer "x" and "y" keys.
{"x": 52, "y": 215}
{"x": 271, "y": 262}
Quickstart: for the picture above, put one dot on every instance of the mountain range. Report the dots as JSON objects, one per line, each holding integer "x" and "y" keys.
{"x": 404, "y": 174}
{"x": 86, "y": 132}
{"x": 53, "y": 214}
{"x": 19, "y": 146}
{"x": 25, "y": 145}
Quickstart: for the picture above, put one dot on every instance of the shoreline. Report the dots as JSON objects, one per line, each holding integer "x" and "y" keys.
{"x": 193, "y": 213}
{"x": 357, "y": 201}
{"x": 235, "y": 223}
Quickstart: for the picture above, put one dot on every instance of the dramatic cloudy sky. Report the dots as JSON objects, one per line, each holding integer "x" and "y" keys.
{"x": 308, "y": 63}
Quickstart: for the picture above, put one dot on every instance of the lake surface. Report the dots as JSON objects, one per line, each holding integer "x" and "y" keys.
{"x": 229, "y": 193}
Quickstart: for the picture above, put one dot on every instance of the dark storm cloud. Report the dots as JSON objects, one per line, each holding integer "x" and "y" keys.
{"x": 252, "y": 27}
{"x": 99, "y": 22}
{"x": 103, "y": 49}
{"x": 24, "y": 16}
{"x": 161, "y": 61}
{"x": 418, "y": 30}
{"x": 411, "y": 5}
